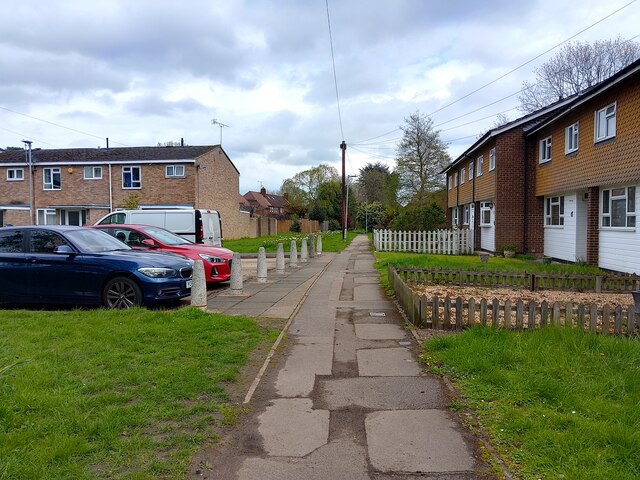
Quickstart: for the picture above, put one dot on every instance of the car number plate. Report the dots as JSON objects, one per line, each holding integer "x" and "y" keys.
{"x": 188, "y": 284}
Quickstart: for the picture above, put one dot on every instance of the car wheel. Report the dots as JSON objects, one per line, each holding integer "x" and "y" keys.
{"x": 121, "y": 292}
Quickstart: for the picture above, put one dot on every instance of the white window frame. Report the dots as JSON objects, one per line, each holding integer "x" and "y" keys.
{"x": 454, "y": 216}
{"x": 545, "y": 150}
{"x": 50, "y": 185}
{"x": 480, "y": 163}
{"x": 471, "y": 171}
{"x": 92, "y": 173}
{"x": 450, "y": 177}
{"x": 455, "y": 179}
{"x": 462, "y": 175}
{"x": 466, "y": 214}
{"x": 171, "y": 171}
{"x": 610, "y": 195}
{"x": 608, "y": 116}
{"x": 485, "y": 207}
{"x": 12, "y": 174}
{"x": 571, "y": 138}
{"x": 46, "y": 214}
{"x": 130, "y": 171}
{"x": 492, "y": 159}
{"x": 549, "y": 204}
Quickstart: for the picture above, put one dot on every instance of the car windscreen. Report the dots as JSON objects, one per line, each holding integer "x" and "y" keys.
{"x": 165, "y": 236}
{"x": 94, "y": 241}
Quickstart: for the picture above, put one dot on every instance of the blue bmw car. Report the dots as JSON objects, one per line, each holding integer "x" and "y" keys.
{"x": 75, "y": 265}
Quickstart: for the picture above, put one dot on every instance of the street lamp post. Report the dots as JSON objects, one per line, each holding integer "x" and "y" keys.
{"x": 346, "y": 215}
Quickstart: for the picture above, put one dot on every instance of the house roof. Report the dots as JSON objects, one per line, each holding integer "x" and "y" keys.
{"x": 267, "y": 200}
{"x": 627, "y": 72}
{"x": 258, "y": 198}
{"x": 109, "y": 155}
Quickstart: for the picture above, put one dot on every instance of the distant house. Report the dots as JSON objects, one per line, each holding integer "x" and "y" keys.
{"x": 267, "y": 204}
{"x": 78, "y": 186}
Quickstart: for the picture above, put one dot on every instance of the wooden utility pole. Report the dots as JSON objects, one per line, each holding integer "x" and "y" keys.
{"x": 343, "y": 147}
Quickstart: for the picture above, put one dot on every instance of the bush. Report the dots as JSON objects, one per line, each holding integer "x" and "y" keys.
{"x": 419, "y": 217}
{"x": 295, "y": 226}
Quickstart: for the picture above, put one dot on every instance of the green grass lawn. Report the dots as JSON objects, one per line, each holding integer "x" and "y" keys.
{"x": 115, "y": 394}
{"x": 331, "y": 242}
{"x": 557, "y": 403}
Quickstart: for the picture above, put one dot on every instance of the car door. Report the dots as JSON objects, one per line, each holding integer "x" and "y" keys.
{"x": 55, "y": 277}
{"x": 14, "y": 268}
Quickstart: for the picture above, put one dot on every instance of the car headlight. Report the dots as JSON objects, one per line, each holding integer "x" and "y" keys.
{"x": 211, "y": 258}
{"x": 158, "y": 272}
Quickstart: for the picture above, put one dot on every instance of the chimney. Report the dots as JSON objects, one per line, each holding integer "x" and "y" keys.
{"x": 263, "y": 192}
{"x": 107, "y": 142}
{"x": 182, "y": 142}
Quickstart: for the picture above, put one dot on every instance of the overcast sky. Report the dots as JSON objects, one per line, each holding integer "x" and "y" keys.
{"x": 147, "y": 71}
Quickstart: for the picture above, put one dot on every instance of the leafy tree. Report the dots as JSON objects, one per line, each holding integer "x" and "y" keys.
{"x": 303, "y": 187}
{"x": 370, "y": 215}
{"x": 377, "y": 184}
{"x": 577, "y": 66}
{"x": 420, "y": 217}
{"x": 318, "y": 213}
{"x": 420, "y": 158}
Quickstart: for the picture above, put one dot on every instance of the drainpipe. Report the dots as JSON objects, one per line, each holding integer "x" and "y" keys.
{"x": 110, "y": 190}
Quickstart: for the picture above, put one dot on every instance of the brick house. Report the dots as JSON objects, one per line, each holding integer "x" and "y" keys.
{"x": 267, "y": 204}
{"x": 486, "y": 185}
{"x": 584, "y": 163}
{"x": 78, "y": 186}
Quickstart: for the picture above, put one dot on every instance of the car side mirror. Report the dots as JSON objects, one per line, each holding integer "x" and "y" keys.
{"x": 64, "y": 250}
{"x": 148, "y": 242}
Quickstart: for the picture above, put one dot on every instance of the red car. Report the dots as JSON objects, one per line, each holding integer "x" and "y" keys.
{"x": 216, "y": 260}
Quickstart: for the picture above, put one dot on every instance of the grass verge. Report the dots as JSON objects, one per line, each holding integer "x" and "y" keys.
{"x": 331, "y": 242}
{"x": 116, "y": 394}
{"x": 557, "y": 403}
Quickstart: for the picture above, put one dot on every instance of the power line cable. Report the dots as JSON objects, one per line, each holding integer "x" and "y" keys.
{"x": 335, "y": 77}
{"x": 29, "y": 137}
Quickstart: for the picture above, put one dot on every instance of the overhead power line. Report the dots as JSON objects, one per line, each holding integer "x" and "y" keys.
{"x": 333, "y": 62}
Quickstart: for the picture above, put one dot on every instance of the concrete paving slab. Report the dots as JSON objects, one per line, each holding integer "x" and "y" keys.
{"x": 384, "y": 331}
{"x": 297, "y": 377}
{"x": 381, "y": 393}
{"x": 313, "y": 340}
{"x": 363, "y": 293}
{"x": 416, "y": 441}
{"x": 319, "y": 465}
{"x": 387, "y": 362}
{"x": 366, "y": 280}
{"x": 290, "y": 427}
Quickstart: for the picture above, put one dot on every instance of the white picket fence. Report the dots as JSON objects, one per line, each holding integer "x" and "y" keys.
{"x": 445, "y": 242}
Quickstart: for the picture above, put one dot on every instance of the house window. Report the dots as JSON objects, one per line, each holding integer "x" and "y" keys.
{"x": 554, "y": 211}
{"x": 15, "y": 174}
{"x": 462, "y": 174}
{"x": 131, "y": 177}
{"x": 619, "y": 207}
{"x": 92, "y": 173}
{"x": 450, "y": 182}
{"x": 471, "y": 171}
{"x": 454, "y": 216}
{"x": 46, "y": 216}
{"x": 571, "y": 138}
{"x": 606, "y": 123}
{"x": 455, "y": 179}
{"x": 492, "y": 159}
{"x": 480, "y": 163}
{"x": 485, "y": 214}
{"x": 545, "y": 150}
{"x": 51, "y": 178}
{"x": 174, "y": 171}
{"x": 467, "y": 214}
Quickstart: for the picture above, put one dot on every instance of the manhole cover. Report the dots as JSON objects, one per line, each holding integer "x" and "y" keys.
{"x": 377, "y": 314}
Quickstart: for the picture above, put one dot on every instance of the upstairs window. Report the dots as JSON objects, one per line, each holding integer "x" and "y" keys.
{"x": 606, "y": 123}
{"x": 174, "y": 171}
{"x": 554, "y": 211}
{"x": 15, "y": 174}
{"x": 545, "y": 150}
{"x": 455, "y": 179}
{"x": 492, "y": 159}
{"x": 450, "y": 181}
{"x": 480, "y": 165}
{"x": 619, "y": 207}
{"x": 92, "y": 173}
{"x": 462, "y": 176}
{"x": 131, "y": 177}
{"x": 571, "y": 138}
{"x": 51, "y": 179}
{"x": 471, "y": 171}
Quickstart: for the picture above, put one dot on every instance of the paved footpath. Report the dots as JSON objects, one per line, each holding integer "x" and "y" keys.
{"x": 345, "y": 398}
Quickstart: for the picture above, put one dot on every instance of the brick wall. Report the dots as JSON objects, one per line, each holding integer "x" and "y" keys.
{"x": 593, "y": 222}
{"x": 534, "y": 217}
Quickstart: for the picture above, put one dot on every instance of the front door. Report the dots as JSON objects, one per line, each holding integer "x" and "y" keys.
{"x": 73, "y": 217}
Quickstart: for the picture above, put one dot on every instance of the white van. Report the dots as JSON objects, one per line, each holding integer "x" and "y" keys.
{"x": 199, "y": 226}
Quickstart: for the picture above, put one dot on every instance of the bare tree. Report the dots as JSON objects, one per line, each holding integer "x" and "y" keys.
{"x": 575, "y": 67}
{"x": 420, "y": 158}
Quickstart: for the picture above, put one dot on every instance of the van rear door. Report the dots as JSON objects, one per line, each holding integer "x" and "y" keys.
{"x": 211, "y": 227}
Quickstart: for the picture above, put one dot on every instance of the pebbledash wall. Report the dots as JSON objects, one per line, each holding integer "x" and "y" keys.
{"x": 210, "y": 180}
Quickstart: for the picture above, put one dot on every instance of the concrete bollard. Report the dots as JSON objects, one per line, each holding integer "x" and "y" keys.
{"x": 198, "y": 286}
{"x": 319, "y": 244}
{"x": 235, "y": 284}
{"x": 262, "y": 266}
{"x": 280, "y": 259}
{"x": 312, "y": 246}
{"x": 293, "y": 254}
{"x": 304, "y": 254}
